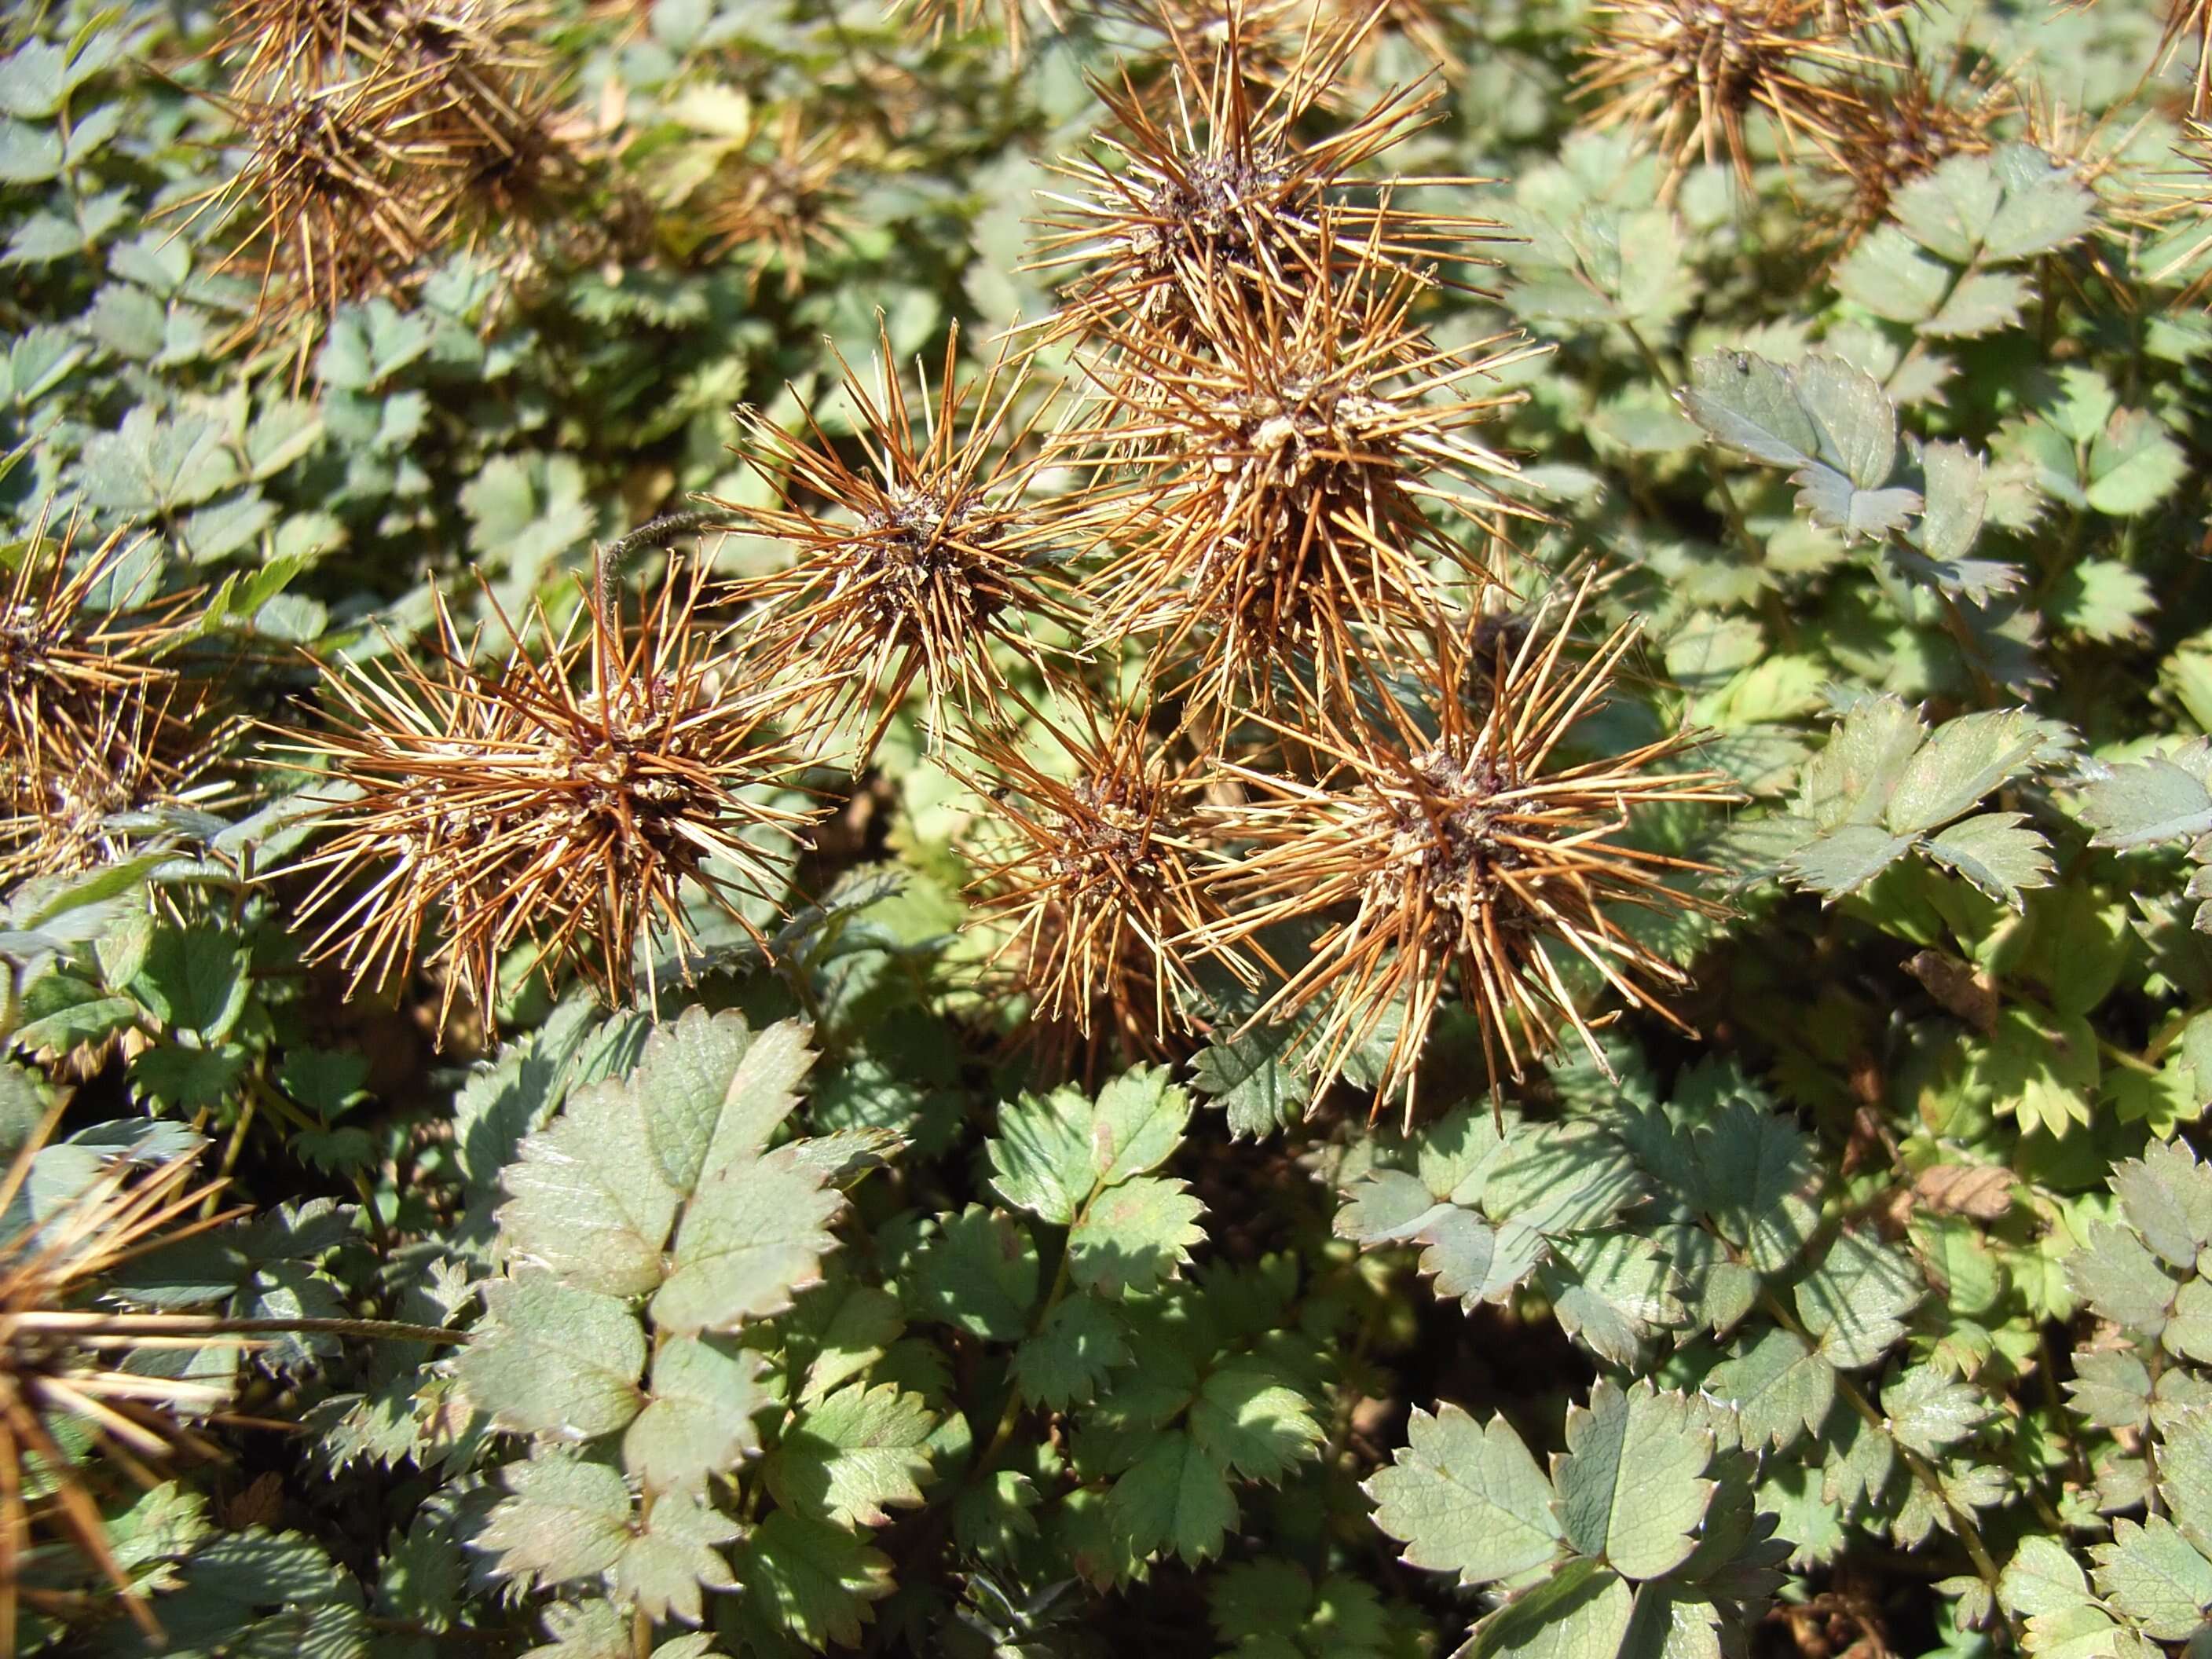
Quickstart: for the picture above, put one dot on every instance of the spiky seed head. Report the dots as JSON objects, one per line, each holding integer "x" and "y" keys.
{"x": 783, "y": 196}
{"x": 1089, "y": 881}
{"x": 75, "y": 1411}
{"x": 94, "y": 721}
{"x": 333, "y": 196}
{"x": 1454, "y": 852}
{"x": 577, "y": 799}
{"x": 483, "y": 94}
{"x": 1901, "y": 121}
{"x": 1207, "y": 193}
{"x": 918, "y": 562}
{"x": 306, "y": 44}
{"x": 1289, "y": 459}
{"x": 1687, "y": 75}
{"x": 933, "y": 19}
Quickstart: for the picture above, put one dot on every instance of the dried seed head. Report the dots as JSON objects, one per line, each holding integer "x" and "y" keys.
{"x": 1902, "y": 121}
{"x": 926, "y": 557}
{"x": 1089, "y": 878}
{"x": 92, "y": 721}
{"x": 783, "y": 197}
{"x": 1289, "y": 461}
{"x": 1687, "y": 74}
{"x": 576, "y": 803}
{"x": 79, "y": 1405}
{"x": 374, "y": 132}
{"x": 1454, "y": 852}
{"x": 333, "y": 195}
{"x": 933, "y": 19}
{"x": 304, "y": 43}
{"x": 1208, "y": 194}
{"x": 1273, "y": 33}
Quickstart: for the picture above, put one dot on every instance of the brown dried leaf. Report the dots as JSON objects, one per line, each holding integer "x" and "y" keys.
{"x": 1972, "y": 997}
{"x": 1982, "y": 1191}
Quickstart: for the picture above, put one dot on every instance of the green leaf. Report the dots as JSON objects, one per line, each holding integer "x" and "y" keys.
{"x": 1609, "y": 1290}
{"x": 811, "y": 1580}
{"x": 1957, "y": 506}
{"x": 1249, "y": 1418}
{"x": 698, "y": 1416}
{"x": 2121, "y": 1280}
{"x": 849, "y": 1326}
{"x": 1561, "y": 1178}
{"x": 1995, "y": 853}
{"x": 1854, "y": 1303}
{"x": 1752, "y": 406}
{"x": 1929, "y": 1413}
{"x": 672, "y": 1557}
{"x": 152, "y": 465}
{"x": 750, "y": 1239}
{"x": 994, "y": 1519}
{"x": 2042, "y": 1577}
{"x": 2043, "y": 1068}
{"x": 2167, "y": 1195}
{"x": 562, "y": 1519}
{"x": 186, "y": 1079}
{"x": 1136, "y": 1125}
{"x": 1135, "y": 1237}
{"x": 2153, "y": 1575}
{"x": 549, "y": 1360}
{"x": 1962, "y": 761}
{"x": 1760, "y": 1174}
{"x": 2133, "y": 464}
{"x": 1852, "y": 778}
{"x": 1842, "y": 860}
{"x": 196, "y": 981}
{"x": 850, "y": 1454}
{"x": 2161, "y": 798}
{"x": 29, "y": 155}
{"x": 2101, "y": 599}
{"x": 1466, "y": 1498}
{"x": 1041, "y": 1158}
{"x": 1982, "y": 302}
{"x": 2045, "y": 205}
{"x": 31, "y": 83}
{"x": 1473, "y": 1261}
{"x": 1175, "y": 1497}
{"x": 1828, "y": 420}
{"x": 1631, "y": 1484}
{"x": 1270, "y": 1609}
{"x": 586, "y": 1198}
{"x": 1891, "y": 278}
{"x": 1066, "y": 1362}
{"x": 1581, "y": 1611}
{"x": 1251, "y": 1078}
{"x": 2110, "y": 1388}
{"x": 2185, "y": 1470}
{"x": 1052, "y": 1153}
{"x": 714, "y": 1090}
{"x": 1781, "y": 1389}
{"x": 979, "y": 1272}
{"x": 1950, "y": 210}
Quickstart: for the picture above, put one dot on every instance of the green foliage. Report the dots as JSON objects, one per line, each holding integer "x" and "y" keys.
{"x": 1857, "y": 1294}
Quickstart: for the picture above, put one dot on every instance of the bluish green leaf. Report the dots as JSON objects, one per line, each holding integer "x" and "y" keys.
{"x": 553, "y": 1360}
{"x": 1632, "y": 1484}
{"x": 1466, "y": 1498}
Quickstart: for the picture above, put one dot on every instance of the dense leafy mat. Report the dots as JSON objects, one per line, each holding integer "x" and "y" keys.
{"x": 1501, "y": 940}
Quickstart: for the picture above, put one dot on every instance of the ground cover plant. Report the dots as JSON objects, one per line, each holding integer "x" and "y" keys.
{"x": 1350, "y": 828}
